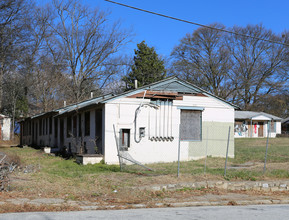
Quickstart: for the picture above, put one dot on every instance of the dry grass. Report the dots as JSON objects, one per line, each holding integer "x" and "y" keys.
{"x": 13, "y": 142}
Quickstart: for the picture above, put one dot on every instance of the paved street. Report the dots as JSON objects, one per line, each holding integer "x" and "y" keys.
{"x": 261, "y": 212}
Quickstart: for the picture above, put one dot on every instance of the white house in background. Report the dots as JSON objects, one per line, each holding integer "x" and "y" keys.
{"x": 5, "y": 127}
{"x": 148, "y": 123}
{"x": 255, "y": 124}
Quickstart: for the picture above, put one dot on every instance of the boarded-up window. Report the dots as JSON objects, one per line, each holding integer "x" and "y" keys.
{"x": 87, "y": 123}
{"x": 191, "y": 125}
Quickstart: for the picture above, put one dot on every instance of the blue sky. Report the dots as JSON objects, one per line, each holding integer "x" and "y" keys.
{"x": 164, "y": 34}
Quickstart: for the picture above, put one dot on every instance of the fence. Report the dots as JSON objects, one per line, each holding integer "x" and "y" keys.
{"x": 218, "y": 153}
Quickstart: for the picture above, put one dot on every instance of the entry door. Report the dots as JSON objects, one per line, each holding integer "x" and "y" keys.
{"x": 260, "y": 129}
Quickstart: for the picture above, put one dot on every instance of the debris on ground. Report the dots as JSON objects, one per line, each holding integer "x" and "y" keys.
{"x": 6, "y": 168}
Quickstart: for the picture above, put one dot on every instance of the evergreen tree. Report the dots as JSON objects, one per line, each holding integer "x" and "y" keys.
{"x": 147, "y": 67}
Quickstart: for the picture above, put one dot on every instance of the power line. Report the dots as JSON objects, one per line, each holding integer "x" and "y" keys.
{"x": 197, "y": 24}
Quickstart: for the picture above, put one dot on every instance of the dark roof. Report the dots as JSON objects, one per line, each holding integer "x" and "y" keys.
{"x": 250, "y": 114}
{"x": 285, "y": 120}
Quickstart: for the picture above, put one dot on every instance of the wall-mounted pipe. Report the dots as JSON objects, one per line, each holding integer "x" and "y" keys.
{"x": 149, "y": 124}
{"x": 156, "y": 124}
{"x": 172, "y": 119}
{"x": 160, "y": 125}
{"x": 164, "y": 119}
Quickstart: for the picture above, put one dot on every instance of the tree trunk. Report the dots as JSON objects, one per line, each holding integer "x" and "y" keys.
{"x": 1, "y": 88}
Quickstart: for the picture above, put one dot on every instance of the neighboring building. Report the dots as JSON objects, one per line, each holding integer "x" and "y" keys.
{"x": 146, "y": 122}
{"x": 5, "y": 127}
{"x": 285, "y": 125}
{"x": 255, "y": 124}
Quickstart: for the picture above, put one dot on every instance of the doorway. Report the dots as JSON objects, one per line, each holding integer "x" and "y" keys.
{"x": 260, "y": 129}
{"x": 98, "y": 130}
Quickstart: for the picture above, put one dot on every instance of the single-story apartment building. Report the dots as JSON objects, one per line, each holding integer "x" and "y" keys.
{"x": 5, "y": 127}
{"x": 148, "y": 122}
{"x": 255, "y": 124}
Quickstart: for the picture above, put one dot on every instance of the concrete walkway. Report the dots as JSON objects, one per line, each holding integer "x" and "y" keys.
{"x": 204, "y": 200}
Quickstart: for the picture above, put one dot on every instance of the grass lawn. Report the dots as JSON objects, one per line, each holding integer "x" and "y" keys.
{"x": 248, "y": 163}
{"x": 51, "y": 176}
{"x": 254, "y": 150}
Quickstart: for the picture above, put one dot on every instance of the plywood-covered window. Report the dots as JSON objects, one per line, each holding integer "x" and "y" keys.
{"x": 191, "y": 125}
{"x": 87, "y": 124}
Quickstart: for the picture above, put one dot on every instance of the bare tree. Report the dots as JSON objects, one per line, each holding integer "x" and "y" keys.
{"x": 15, "y": 102}
{"x": 275, "y": 104}
{"x": 47, "y": 88}
{"x": 203, "y": 58}
{"x": 259, "y": 67}
{"x": 86, "y": 41}
{"x": 14, "y": 25}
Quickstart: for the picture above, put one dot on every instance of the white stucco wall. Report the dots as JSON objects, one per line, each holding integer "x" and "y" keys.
{"x": 5, "y": 128}
{"x": 121, "y": 113}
